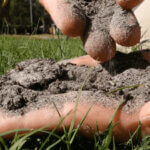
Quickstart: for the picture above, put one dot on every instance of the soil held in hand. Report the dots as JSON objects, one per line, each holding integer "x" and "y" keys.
{"x": 99, "y": 14}
{"x": 36, "y": 83}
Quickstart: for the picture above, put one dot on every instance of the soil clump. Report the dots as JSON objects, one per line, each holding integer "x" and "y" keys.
{"x": 37, "y": 83}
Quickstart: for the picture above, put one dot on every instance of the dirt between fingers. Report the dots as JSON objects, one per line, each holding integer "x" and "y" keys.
{"x": 37, "y": 83}
{"x": 99, "y": 14}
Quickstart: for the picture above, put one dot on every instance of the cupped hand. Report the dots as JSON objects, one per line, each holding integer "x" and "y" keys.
{"x": 99, "y": 115}
{"x": 100, "y": 24}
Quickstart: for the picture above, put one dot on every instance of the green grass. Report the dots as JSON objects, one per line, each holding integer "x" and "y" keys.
{"x": 16, "y": 49}
{"x": 13, "y": 50}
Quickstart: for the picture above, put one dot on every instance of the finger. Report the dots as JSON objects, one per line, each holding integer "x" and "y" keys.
{"x": 99, "y": 45}
{"x": 128, "y": 4}
{"x": 84, "y": 60}
{"x": 124, "y": 28}
{"x": 46, "y": 117}
{"x": 94, "y": 120}
{"x": 145, "y": 118}
{"x": 80, "y": 61}
{"x": 127, "y": 123}
{"x": 70, "y": 23}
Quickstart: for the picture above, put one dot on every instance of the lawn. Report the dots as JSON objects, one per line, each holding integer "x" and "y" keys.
{"x": 16, "y": 49}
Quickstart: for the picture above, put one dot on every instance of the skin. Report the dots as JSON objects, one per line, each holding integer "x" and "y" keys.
{"x": 73, "y": 24}
{"x": 128, "y": 4}
{"x": 121, "y": 35}
{"x": 48, "y": 116}
{"x": 66, "y": 21}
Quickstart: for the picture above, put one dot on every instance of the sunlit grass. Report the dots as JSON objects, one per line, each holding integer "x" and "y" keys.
{"x": 16, "y": 49}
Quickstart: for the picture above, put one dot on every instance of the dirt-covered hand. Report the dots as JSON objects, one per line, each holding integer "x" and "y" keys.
{"x": 100, "y": 23}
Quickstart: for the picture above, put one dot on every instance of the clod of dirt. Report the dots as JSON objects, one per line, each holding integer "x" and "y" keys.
{"x": 39, "y": 82}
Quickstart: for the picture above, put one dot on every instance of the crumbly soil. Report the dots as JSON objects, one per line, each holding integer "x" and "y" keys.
{"x": 36, "y": 83}
{"x": 99, "y": 14}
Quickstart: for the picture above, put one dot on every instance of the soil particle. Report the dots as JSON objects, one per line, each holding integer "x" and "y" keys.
{"x": 40, "y": 82}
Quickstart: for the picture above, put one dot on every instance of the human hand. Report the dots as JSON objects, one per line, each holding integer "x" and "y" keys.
{"x": 99, "y": 24}
{"x": 27, "y": 107}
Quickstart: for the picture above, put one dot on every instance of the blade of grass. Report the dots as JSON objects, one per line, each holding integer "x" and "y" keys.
{"x": 54, "y": 144}
{"x": 95, "y": 143}
{"x": 75, "y": 109}
{"x": 3, "y": 143}
{"x": 14, "y": 131}
{"x": 125, "y": 87}
{"x": 16, "y": 137}
{"x": 64, "y": 129}
{"x": 145, "y": 145}
{"x": 97, "y": 137}
{"x": 137, "y": 132}
{"x": 22, "y": 140}
{"x": 114, "y": 145}
{"x": 59, "y": 137}
{"x": 52, "y": 132}
{"x": 107, "y": 140}
{"x": 18, "y": 144}
{"x": 77, "y": 129}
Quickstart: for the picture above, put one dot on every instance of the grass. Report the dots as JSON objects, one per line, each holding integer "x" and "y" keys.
{"x": 16, "y": 49}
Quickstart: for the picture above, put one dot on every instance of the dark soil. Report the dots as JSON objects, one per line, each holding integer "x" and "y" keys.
{"x": 39, "y": 82}
{"x": 80, "y": 142}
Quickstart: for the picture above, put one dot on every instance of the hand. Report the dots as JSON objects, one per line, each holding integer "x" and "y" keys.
{"x": 37, "y": 118}
{"x": 116, "y": 25}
